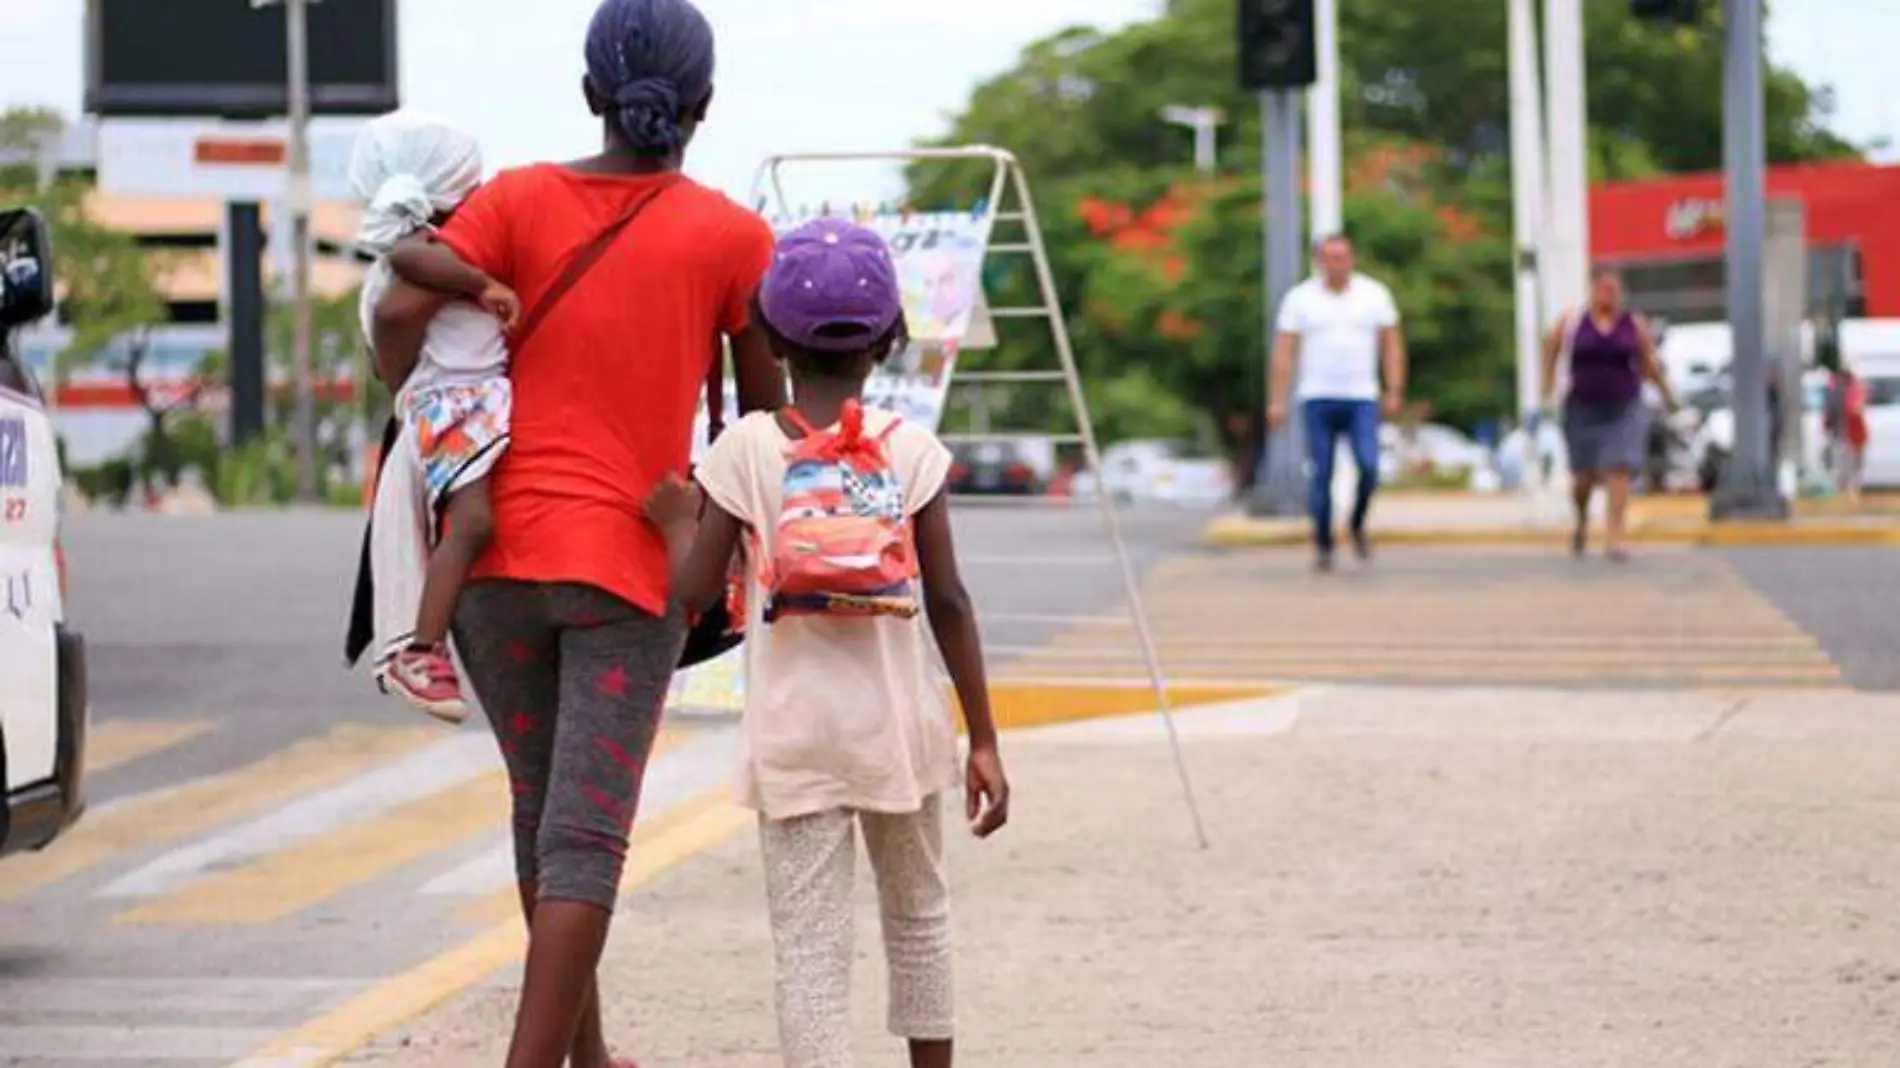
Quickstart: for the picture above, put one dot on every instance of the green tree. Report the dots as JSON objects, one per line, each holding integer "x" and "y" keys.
{"x": 108, "y": 284}
{"x": 1165, "y": 307}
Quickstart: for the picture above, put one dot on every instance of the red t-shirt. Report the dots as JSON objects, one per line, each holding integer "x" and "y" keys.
{"x": 607, "y": 387}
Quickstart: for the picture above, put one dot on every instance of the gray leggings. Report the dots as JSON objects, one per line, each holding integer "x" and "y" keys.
{"x": 573, "y": 679}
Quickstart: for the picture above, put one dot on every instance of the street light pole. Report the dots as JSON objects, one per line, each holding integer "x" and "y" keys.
{"x": 1324, "y": 151}
{"x": 296, "y": 39}
{"x": 1747, "y": 489}
{"x": 1206, "y": 123}
{"x": 1567, "y": 255}
{"x": 297, "y": 66}
{"x": 1527, "y": 220}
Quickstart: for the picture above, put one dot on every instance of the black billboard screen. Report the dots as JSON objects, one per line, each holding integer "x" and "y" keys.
{"x": 187, "y": 58}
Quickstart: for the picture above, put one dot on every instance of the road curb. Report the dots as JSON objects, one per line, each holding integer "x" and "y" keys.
{"x": 1239, "y": 532}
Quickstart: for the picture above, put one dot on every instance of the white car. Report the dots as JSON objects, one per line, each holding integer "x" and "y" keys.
{"x": 1714, "y": 441}
{"x": 1158, "y": 471}
{"x": 42, "y": 664}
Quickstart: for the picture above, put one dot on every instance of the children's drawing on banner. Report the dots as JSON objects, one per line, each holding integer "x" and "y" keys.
{"x": 939, "y": 259}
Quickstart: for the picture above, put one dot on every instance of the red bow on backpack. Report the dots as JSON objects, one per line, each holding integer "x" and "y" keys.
{"x": 849, "y": 443}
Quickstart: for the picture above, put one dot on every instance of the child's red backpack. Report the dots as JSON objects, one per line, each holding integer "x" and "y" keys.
{"x": 844, "y": 543}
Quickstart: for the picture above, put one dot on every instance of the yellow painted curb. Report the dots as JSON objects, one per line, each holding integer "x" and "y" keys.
{"x": 394, "y": 1001}
{"x": 1231, "y": 532}
{"x": 1017, "y": 705}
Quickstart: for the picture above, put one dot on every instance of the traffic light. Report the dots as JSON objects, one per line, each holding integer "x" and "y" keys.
{"x": 1276, "y": 44}
{"x": 1685, "y": 12}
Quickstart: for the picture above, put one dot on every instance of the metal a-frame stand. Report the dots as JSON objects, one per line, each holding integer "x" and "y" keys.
{"x": 1009, "y": 181}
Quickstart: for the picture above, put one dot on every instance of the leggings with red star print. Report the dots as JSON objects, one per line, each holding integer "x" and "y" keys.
{"x": 573, "y": 679}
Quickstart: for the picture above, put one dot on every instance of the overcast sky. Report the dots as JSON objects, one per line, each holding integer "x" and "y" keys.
{"x": 828, "y": 74}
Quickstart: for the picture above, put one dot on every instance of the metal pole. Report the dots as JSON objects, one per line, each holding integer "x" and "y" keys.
{"x": 1085, "y": 424}
{"x": 1280, "y": 488}
{"x": 1569, "y": 218}
{"x": 244, "y": 319}
{"x": 304, "y": 425}
{"x": 1327, "y": 186}
{"x": 1527, "y": 216}
{"x": 1747, "y": 489}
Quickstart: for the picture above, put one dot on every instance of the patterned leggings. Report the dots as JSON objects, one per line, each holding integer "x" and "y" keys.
{"x": 573, "y": 679}
{"x": 809, "y": 862}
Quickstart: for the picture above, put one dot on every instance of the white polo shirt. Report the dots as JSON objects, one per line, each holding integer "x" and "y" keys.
{"x": 1339, "y": 336}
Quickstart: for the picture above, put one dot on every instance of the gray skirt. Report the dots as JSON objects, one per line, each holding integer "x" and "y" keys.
{"x": 1606, "y": 437}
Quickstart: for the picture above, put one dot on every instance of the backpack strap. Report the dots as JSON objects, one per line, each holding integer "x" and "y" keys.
{"x": 716, "y": 393}
{"x": 798, "y": 420}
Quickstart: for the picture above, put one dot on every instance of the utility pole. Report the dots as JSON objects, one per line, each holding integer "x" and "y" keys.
{"x": 1206, "y": 123}
{"x": 1527, "y": 221}
{"x": 1747, "y": 489}
{"x": 1324, "y": 150}
{"x": 298, "y": 198}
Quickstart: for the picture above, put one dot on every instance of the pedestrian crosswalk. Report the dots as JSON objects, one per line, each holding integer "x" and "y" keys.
{"x": 344, "y": 829}
{"x": 1491, "y": 617}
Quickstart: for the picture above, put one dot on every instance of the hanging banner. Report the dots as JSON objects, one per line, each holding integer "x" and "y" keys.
{"x": 939, "y": 258}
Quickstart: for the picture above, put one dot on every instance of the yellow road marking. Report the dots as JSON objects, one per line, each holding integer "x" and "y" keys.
{"x": 1240, "y": 673}
{"x": 121, "y": 741}
{"x": 1017, "y": 704}
{"x": 307, "y": 765}
{"x": 286, "y": 882}
{"x": 336, "y": 1034}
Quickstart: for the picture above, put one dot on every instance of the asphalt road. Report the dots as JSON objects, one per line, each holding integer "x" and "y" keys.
{"x": 269, "y": 838}
{"x": 243, "y": 615}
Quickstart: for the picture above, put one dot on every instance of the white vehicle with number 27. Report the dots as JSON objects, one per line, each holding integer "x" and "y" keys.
{"x": 42, "y": 664}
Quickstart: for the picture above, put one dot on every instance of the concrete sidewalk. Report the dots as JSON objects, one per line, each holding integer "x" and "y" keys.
{"x": 1403, "y": 878}
{"x": 1510, "y": 519}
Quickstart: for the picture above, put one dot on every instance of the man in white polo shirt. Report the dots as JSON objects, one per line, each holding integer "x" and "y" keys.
{"x": 1340, "y": 327}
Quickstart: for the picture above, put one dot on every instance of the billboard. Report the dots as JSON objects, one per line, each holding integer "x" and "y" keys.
{"x": 227, "y": 58}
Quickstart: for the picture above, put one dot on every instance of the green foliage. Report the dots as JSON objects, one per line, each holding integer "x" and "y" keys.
{"x": 108, "y": 285}
{"x": 1166, "y": 314}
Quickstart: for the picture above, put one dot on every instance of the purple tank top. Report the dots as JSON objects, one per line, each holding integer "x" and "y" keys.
{"x": 1603, "y": 366}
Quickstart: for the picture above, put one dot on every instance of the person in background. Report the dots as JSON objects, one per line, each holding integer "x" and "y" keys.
{"x": 1342, "y": 329}
{"x": 1846, "y": 424}
{"x": 1605, "y": 421}
{"x": 631, "y": 273}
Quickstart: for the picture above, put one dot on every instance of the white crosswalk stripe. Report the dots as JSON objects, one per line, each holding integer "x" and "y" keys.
{"x": 445, "y": 764}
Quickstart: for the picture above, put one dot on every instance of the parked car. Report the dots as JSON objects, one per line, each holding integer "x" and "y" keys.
{"x": 1427, "y": 447}
{"x": 1714, "y": 440}
{"x": 994, "y": 467}
{"x": 42, "y": 663}
{"x": 1158, "y": 471}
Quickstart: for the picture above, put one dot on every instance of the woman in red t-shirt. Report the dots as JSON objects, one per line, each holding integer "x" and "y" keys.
{"x": 566, "y": 629}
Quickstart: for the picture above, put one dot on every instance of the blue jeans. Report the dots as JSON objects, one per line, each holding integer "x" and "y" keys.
{"x": 1326, "y": 420}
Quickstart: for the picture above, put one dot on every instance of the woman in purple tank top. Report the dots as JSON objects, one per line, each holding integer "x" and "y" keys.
{"x": 1606, "y": 423}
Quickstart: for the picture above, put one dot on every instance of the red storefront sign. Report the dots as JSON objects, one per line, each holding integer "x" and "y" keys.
{"x": 1685, "y": 218}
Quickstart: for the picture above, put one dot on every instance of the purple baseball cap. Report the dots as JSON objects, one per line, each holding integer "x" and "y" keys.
{"x": 832, "y": 287}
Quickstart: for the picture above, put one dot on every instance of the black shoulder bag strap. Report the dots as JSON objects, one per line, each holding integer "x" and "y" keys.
{"x": 581, "y": 261}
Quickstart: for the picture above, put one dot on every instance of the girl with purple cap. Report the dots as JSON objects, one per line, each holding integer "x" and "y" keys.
{"x": 845, "y": 728}
{"x": 629, "y": 274}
